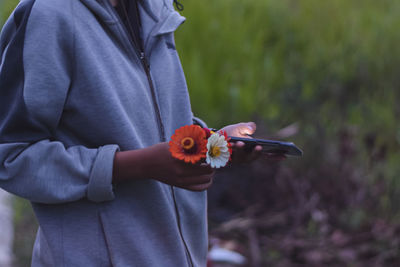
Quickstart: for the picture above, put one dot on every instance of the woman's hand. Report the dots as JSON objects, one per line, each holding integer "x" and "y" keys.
{"x": 156, "y": 162}
{"x": 240, "y": 154}
{"x": 166, "y": 169}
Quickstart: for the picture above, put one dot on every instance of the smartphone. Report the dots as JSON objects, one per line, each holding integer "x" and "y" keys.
{"x": 270, "y": 146}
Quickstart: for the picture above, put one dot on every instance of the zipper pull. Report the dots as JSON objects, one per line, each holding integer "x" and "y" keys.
{"x": 144, "y": 60}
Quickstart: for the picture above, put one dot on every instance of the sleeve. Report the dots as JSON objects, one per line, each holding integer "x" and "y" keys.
{"x": 200, "y": 122}
{"x": 35, "y": 76}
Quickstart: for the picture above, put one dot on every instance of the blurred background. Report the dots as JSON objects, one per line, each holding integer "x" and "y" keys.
{"x": 323, "y": 74}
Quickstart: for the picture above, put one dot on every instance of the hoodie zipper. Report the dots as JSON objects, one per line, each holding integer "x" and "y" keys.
{"x": 139, "y": 51}
{"x": 146, "y": 67}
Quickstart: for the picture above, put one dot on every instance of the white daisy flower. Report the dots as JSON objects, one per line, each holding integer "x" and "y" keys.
{"x": 218, "y": 153}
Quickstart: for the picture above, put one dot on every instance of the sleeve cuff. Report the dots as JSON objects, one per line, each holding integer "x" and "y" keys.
{"x": 100, "y": 181}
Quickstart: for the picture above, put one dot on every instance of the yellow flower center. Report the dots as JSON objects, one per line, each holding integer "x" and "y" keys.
{"x": 187, "y": 143}
{"x": 215, "y": 151}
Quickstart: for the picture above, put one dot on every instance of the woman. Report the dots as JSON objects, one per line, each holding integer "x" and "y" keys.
{"x": 91, "y": 90}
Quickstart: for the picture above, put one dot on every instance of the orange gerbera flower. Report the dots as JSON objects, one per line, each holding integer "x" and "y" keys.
{"x": 189, "y": 143}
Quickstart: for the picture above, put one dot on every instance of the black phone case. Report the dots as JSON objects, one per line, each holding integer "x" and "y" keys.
{"x": 270, "y": 146}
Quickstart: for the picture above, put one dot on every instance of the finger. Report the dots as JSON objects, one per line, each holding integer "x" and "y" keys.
{"x": 241, "y": 149}
{"x": 256, "y": 153}
{"x": 244, "y": 154}
{"x": 237, "y": 145}
{"x": 274, "y": 156}
{"x": 247, "y": 128}
{"x": 238, "y": 151}
{"x": 195, "y": 180}
{"x": 200, "y": 187}
{"x": 189, "y": 169}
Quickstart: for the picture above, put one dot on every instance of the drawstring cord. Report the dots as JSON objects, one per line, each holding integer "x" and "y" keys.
{"x": 178, "y": 5}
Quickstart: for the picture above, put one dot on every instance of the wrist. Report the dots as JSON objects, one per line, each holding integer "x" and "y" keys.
{"x": 128, "y": 166}
{"x": 136, "y": 164}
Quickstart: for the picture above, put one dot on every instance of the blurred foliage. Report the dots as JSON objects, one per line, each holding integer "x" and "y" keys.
{"x": 6, "y": 6}
{"x": 25, "y": 227}
{"x": 331, "y": 67}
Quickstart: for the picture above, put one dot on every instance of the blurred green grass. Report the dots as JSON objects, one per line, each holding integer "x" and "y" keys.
{"x": 286, "y": 60}
{"x": 330, "y": 66}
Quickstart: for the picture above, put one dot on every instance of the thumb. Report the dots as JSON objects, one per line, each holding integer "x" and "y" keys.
{"x": 247, "y": 128}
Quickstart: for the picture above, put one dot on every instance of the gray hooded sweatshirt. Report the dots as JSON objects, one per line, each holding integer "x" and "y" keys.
{"x": 73, "y": 91}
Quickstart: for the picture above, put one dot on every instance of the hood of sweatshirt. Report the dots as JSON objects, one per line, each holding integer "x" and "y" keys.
{"x": 158, "y": 17}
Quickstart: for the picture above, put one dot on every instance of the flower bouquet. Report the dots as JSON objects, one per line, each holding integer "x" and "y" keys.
{"x": 192, "y": 144}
